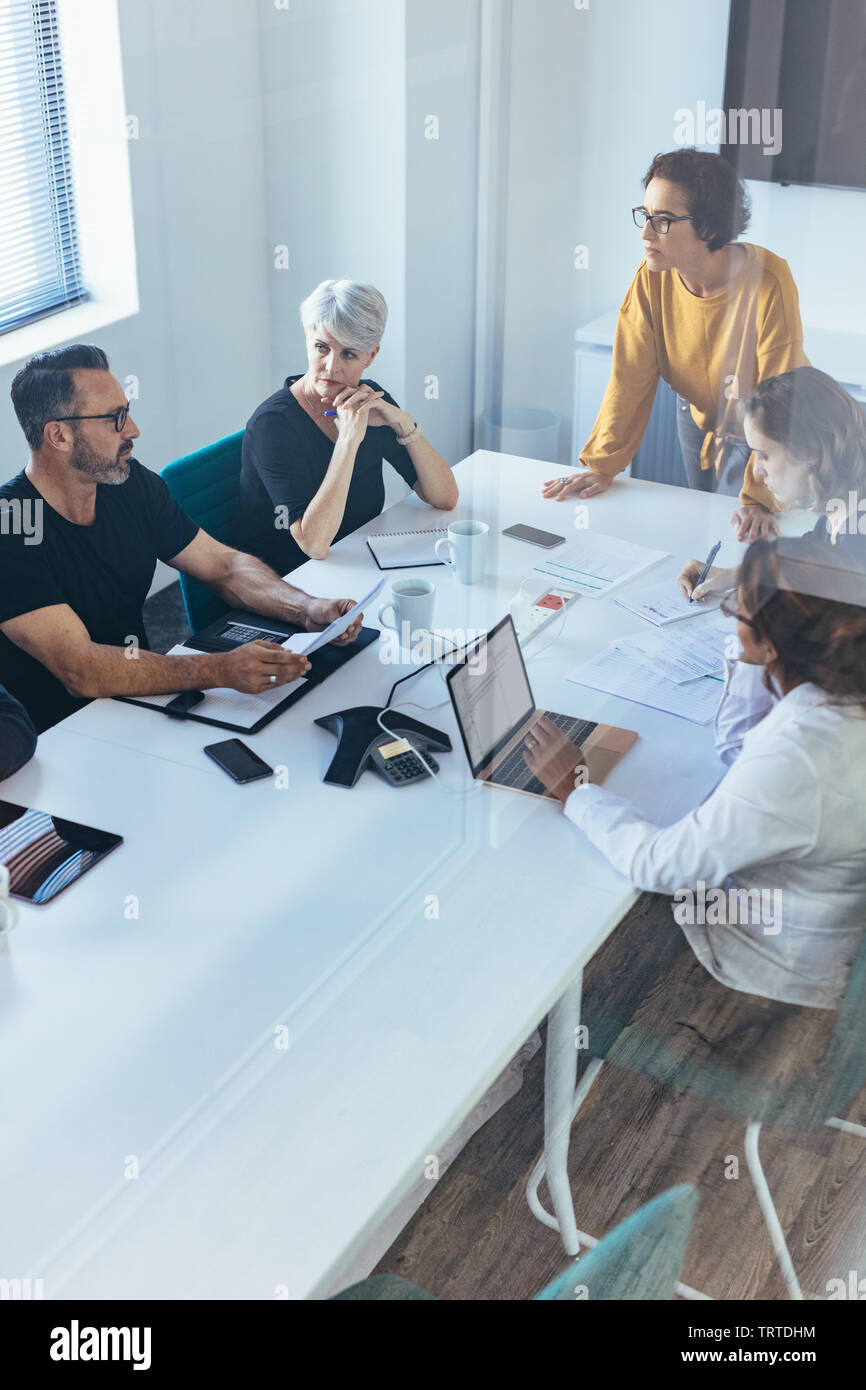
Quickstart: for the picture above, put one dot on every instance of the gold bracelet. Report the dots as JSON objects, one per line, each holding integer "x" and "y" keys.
{"x": 407, "y": 438}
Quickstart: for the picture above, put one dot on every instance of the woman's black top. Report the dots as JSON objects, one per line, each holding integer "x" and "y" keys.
{"x": 285, "y": 459}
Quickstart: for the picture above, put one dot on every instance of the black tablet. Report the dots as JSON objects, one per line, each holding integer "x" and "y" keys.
{"x": 44, "y": 854}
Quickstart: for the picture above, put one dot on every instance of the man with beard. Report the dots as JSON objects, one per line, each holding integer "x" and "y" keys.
{"x": 72, "y": 592}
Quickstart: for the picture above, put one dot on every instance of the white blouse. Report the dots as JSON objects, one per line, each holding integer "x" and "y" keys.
{"x": 769, "y": 873}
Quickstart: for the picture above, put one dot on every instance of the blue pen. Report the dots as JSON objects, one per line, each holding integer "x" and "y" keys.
{"x": 706, "y": 569}
{"x": 329, "y": 414}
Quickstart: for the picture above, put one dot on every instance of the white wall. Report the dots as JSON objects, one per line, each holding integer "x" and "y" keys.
{"x": 355, "y": 189}
{"x": 334, "y": 91}
{"x": 593, "y": 97}
{"x": 263, "y": 127}
{"x": 199, "y": 344}
{"x": 442, "y": 183}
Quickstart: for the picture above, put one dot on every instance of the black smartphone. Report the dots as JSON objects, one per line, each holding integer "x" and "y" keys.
{"x": 240, "y": 762}
{"x": 528, "y": 533}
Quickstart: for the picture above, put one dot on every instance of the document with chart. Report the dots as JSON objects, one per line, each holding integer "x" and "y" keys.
{"x": 594, "y": 564}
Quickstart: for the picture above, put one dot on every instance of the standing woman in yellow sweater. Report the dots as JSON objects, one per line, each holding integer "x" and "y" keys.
{"x": 712, "y": 317}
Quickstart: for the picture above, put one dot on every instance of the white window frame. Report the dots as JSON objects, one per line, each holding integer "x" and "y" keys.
{"x": 99, "y": 152}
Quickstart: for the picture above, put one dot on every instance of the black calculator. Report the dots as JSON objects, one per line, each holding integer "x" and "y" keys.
{"x": 394, "y": 760}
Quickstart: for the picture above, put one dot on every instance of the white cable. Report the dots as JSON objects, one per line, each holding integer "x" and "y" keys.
{"x": 472, "y": 790}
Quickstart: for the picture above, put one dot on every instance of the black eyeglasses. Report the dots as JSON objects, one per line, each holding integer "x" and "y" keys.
{"x": 730, "y": 611}
{"x": 119, "y": 416}
{"x": 660, "y": 222}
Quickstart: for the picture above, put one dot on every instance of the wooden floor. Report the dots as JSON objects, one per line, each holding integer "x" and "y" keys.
{"x": 474, "y": 1237}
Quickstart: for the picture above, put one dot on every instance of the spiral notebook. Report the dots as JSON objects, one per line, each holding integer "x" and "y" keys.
{"x": 399, "y": 550}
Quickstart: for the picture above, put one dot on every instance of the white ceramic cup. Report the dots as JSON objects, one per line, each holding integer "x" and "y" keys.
{"x": 411, "y": 604}
{"x": 467, "y": 543}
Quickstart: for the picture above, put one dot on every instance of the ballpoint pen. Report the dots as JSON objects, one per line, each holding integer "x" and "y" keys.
{"x": 706, "y": 569}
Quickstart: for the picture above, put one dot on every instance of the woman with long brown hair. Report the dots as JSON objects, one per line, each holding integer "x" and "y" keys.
{"x": 808, "y": 440}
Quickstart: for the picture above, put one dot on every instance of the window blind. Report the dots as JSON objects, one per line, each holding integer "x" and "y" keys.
{"x": 40, "y": 269}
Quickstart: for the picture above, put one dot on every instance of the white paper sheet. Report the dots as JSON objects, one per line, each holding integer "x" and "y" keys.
{"x": 595, "y": 563}
{"x": 305, "y": 643}
{"x": 665, "y": 603}
{"x": 616, "y": 673}
{"x": 684, "y": 651}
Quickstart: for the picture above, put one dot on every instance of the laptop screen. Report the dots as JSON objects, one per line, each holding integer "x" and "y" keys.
{"x": 491, "y": 694}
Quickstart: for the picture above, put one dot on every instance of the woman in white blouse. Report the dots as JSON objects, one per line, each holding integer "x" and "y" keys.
{"x": 783, "y": 835}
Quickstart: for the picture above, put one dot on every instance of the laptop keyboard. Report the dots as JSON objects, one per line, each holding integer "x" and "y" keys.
{"x": 513, "y": 772}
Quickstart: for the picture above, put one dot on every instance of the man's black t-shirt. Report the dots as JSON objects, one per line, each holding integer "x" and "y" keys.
{"x": 103, "y": 572}
{"x": 285, "y": 459}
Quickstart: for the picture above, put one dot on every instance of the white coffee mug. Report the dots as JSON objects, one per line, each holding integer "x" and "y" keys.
{"x": 467, "y": 543}
{"x": 8, "y": 910}
{"x": 411, "y": 603}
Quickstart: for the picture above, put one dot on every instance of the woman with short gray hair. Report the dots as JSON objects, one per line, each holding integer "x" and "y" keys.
{"x": 313, "y": 451}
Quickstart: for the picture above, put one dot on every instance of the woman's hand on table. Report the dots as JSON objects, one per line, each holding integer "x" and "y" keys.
{"x": 717, "y": 582}
{"x": 554, "y": 759}
{"x": 586, "y": 484}
{"x": 754, "y": 523}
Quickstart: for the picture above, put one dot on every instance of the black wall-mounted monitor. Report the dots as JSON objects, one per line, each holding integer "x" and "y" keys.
{"x": 795, "y": 91}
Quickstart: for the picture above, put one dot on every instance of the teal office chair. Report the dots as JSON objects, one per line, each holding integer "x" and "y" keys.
{"x": 641, "y": 1258}
{"x": 207, "y": 485}
{"x": 799, "y": 1105}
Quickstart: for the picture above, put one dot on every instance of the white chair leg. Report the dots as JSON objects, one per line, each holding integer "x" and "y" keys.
{"x": 774, "y": 1226}
{"x": 847, "y": 1127}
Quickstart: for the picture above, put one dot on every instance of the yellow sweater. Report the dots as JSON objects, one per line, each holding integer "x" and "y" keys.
{"x": 710, "y": 351}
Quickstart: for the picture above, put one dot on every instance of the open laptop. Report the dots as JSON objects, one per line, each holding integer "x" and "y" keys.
{"x": 495, "y": 710}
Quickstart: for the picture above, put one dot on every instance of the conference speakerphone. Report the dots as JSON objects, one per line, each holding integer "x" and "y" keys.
{"x": 362, "y": 744}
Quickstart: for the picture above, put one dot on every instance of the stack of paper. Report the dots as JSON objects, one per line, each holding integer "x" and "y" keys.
{"x": 685, "y": 651}
{"x": 616, "y": 673}
{"x": 595, "y": 563}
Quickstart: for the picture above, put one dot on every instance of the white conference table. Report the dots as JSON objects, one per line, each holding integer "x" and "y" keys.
{"x": 231, "y": 1049}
